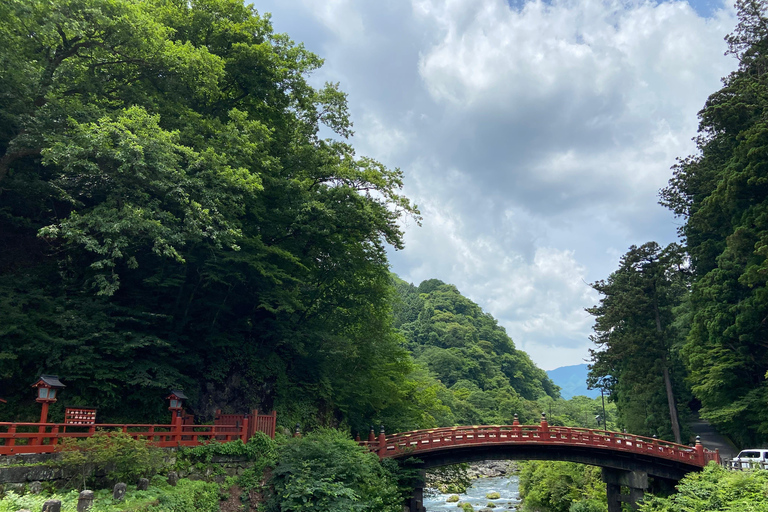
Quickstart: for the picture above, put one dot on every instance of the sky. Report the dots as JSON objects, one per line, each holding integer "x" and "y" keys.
{"x": 534, "y": 136}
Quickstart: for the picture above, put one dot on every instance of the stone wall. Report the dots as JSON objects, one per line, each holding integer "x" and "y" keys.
{"x": 18, "y": 471}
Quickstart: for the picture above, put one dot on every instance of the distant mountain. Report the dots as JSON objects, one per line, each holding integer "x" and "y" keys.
{"x": 572, "y": 381}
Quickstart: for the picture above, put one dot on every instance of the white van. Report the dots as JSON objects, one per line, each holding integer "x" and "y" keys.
{"x": 752, "y": 458}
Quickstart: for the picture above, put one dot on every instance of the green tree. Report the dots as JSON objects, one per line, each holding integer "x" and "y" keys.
{"x": 169, "y": 216}
{"x": 327, "y": 472}
{"x": 549, "y": 486}
{"x": 637, "y": 339}
{"x": 721, "y": 192}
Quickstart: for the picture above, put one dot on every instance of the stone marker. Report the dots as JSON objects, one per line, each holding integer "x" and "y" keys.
{"x": 52, "y": 506}
{"x": 85, "y": 501}
{"x": 118, "y": 493}
{"x": 143, "y": 484}
{"x": 173, "y": 478}
{"x": 35, "y": 487}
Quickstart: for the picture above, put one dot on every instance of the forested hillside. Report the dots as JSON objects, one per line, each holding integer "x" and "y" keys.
{"x": 483, "y": 378}
{"x": 690, "y": 320}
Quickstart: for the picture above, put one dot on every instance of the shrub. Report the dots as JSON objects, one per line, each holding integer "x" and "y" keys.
{"x": 260, "y": 449}
{"x": 588, "y": 506}
{"x": 325, "y": 471}
{"x": 715, "y": 489}
{"x": 115, "y": 454}
{"x": 260, "y": 446}
{"x": 189, "y": 495}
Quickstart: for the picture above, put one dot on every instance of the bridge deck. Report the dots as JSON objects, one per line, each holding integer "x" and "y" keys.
{"x": 432, "y": 440}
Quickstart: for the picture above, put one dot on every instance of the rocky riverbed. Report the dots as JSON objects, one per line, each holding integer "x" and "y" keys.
{"x": 494, "y": 487}
{"x": 496, "y": 493}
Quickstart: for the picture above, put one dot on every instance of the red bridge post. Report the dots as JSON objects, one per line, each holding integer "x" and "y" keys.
{"x": 699, "y": 451}
{"x": 177, "y": 423}
{"x": 382, "y": 442}
{"x": 11, "y": 441}
{"x": 245, "y": 430}
{"x": 544, "y": 427}
{"x": 515, "y": 427}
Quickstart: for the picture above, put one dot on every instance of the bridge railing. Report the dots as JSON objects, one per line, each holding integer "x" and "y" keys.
{"x": 441, "y": 438}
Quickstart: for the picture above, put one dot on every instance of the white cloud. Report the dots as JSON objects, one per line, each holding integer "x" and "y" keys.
{"x": 493, "y": 56}
{"x": 342, "y": 17}
{"x": 541, "y": 299}
{"x": 534, "y": 138}
{"x": 385, "y": 141}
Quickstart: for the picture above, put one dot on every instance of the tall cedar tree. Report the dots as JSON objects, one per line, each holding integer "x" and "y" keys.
{"x": 722, "y": 192}
{"x": 169, "y": 216}
{"x": 636, "y": 338}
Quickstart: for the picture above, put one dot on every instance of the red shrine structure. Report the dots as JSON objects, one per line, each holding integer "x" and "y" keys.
{"x": 80, "y": 422}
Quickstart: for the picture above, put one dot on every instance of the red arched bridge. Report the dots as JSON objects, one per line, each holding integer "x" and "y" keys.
{"x": 627, "y": 460}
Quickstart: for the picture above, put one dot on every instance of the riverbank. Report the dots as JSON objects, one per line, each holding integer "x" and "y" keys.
{"x": 491, "y": 468}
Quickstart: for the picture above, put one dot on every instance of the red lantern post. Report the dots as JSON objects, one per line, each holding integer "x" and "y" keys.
{"x": 47, "y": 387}
{"x": 176, "y": 406}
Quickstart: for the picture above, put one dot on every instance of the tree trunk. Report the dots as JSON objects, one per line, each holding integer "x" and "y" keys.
{"x": 667, "y": 380}
{"x": 672, "y": 405}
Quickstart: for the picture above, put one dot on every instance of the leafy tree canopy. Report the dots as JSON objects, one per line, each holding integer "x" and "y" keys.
{"x": 169, "y": 216}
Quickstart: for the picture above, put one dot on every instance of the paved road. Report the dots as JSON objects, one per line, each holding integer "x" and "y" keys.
{"x": 711, "y": 439}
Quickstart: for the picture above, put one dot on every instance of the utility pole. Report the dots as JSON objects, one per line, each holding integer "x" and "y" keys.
{"x": 605, "y": 416}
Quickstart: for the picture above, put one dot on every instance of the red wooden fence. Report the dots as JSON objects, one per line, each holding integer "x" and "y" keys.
{"x": 16, "y": 438}
{"x": 266, "y": 423}
{"x": 420, "y": 441}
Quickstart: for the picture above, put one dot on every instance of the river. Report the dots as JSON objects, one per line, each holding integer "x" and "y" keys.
{"x": 506, "y": 486}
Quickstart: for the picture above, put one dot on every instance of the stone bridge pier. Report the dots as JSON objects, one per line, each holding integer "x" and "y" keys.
{"x": 416, "y": 502}
{"x": 636, "y": 483}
